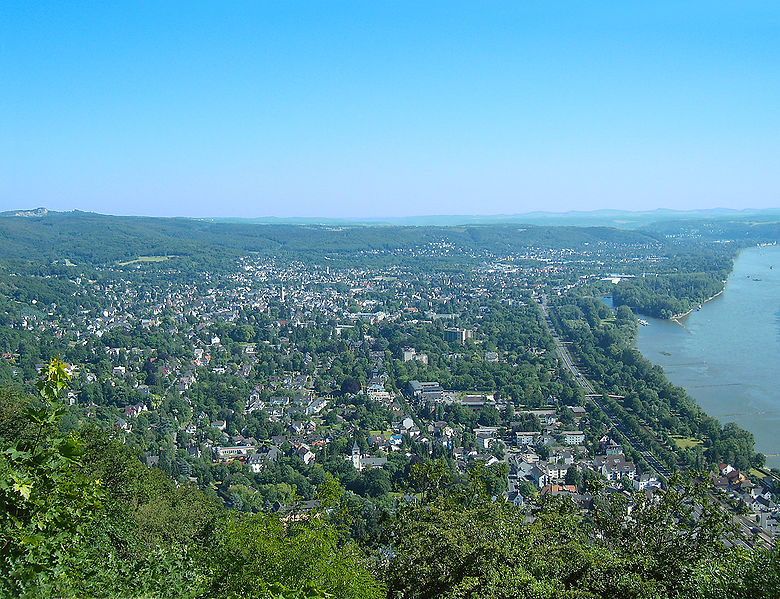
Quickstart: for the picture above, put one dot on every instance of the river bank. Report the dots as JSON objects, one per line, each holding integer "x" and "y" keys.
{"x": 677, "y": 317}
{"x": 726, "y": 354}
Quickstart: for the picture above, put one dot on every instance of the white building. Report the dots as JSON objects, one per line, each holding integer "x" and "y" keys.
{"x": 361, "y": 462}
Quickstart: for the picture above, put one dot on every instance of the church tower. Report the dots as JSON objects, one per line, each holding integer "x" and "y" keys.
{"x": 356, "y": 456}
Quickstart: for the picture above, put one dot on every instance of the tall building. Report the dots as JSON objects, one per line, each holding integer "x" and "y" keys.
{"x": 457, "y": 335}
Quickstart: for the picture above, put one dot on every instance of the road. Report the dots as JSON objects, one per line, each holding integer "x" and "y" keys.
{"x": 745, "y": 525}
{"x": 618, "y": 424}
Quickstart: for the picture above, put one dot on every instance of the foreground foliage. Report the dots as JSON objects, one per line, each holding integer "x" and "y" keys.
{"x": 81, "y": 516}
{"x": 667, "y": 547}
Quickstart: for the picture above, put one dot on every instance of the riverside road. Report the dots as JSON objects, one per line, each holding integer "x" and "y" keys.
{"x": 568, "y": 363}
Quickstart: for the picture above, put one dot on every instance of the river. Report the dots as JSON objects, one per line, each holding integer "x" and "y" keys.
{"x": 727, "y": 354}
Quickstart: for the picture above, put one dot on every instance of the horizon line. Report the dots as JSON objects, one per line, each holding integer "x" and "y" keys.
{"x": 30, "y": 212}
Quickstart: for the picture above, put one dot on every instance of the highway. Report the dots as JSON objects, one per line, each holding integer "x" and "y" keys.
{"x": 618, "y": 424}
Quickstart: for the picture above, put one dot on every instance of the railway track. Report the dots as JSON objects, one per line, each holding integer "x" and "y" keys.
{"x": 563, "y": 353}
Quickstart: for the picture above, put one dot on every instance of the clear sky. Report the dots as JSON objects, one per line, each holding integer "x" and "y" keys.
{"x": 372, "y": 108}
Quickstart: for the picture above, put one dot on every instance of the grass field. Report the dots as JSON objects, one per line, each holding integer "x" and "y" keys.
{"x": 145, "y": 259}
{"x": 758, "y": 473}
{"x": 685, "y": 442}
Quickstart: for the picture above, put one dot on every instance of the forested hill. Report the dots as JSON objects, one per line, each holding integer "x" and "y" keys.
{"x": 745, "y": 230}
{"x": 97, "y": 239}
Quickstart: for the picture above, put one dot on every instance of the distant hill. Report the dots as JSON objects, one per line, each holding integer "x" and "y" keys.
{"x": 98, "y": 239}
{"x": 103, "y": 239}
{"x": 608, "y": 218}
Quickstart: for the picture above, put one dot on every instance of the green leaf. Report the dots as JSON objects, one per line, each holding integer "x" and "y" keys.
{"x": 23, "y": 489}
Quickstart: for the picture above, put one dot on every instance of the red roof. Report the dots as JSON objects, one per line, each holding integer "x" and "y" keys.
{"x": 558, "y": 489}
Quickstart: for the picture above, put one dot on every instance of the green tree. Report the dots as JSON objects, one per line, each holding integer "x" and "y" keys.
{"x": 429, "y": 478}
{"x": 47, "y": 507}
{"x": 574, "y": 477}
{"x": 254, "y": 553}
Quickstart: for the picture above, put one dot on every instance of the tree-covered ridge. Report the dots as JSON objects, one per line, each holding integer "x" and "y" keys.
{"x": 100, "y": 240}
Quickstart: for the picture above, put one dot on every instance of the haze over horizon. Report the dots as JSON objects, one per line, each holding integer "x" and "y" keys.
{"x": 595, "y": 217}
{"x": 357, "y": 110}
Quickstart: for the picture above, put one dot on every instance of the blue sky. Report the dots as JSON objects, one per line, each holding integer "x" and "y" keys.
{"x": 388, "y": 108}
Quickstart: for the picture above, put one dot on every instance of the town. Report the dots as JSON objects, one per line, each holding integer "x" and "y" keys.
{"x": 257, "y": 381}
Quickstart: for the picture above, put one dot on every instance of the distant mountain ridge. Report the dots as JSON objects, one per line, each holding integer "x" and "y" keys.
{"x": 87, "y": 237}
{"x": 624, "y": 219}
{"x": 605, "y": 217}
{"x": 92, "y": 238}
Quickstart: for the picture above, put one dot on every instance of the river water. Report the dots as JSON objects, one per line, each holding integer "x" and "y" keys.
{"x": 727, "y": 355}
